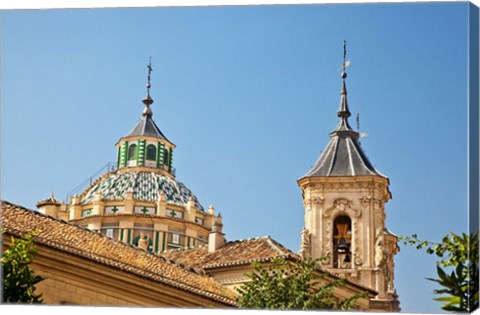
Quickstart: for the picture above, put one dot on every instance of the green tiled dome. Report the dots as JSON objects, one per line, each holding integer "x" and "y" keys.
{"x": 146, "y": 186}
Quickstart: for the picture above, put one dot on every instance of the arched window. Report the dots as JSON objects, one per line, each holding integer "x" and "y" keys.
{"x": 166, "y": 157}
{"x": 342, "y": 242}
{"x": 151, "y": 152}
{"x": 131, "y": 151}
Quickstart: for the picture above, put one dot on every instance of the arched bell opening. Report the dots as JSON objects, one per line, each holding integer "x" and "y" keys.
{"x": 342, "y": 242}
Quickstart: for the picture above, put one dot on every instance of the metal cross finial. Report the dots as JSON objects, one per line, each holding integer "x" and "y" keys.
{"x": 148, "y": 100}
{"x": 149, "y": 72}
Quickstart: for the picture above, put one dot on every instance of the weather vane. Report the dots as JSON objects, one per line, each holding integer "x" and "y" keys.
{"x": 346, "y": 63}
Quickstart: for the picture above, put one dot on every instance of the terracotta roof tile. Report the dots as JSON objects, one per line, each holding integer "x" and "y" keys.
{"x": 233, "y": 253}
{"x": 96, "y": 247}
{"x": 241, "y": 252}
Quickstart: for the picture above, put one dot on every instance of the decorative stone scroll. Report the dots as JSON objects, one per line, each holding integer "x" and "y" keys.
{"x": 342, "y": 205}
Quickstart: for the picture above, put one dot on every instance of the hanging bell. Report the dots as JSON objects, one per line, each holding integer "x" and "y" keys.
{"x": 342, "y": 245}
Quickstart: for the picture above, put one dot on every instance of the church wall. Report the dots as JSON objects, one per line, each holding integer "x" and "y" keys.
{"x": 72, "y": 280}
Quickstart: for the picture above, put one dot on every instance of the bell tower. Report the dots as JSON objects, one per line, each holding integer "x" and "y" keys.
{"x": 344, "y": 197}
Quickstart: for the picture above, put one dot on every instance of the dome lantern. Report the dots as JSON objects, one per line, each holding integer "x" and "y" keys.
{"x": 145, "y": 145}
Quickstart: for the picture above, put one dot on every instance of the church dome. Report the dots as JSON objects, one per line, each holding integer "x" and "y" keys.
{"x": 146, "y": 186}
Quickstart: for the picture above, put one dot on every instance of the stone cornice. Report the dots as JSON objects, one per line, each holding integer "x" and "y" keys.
{"x": 153, "y": 139}
{"x": 347, "y": 183}
{"x": 136, "y": 216}
{"x": 155, "y": 170}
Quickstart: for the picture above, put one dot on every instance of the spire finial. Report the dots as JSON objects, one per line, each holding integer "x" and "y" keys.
{"x": 343, "y": 111}
{"x": 148, "y": 100}
{"x": 344, "y": 65}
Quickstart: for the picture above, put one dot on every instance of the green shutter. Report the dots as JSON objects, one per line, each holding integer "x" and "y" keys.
{"x": 160, "y": 154}
{"x": 156, "y": 241}
{"x": 170, "y": 161}
{"x": 129, "y": 235}
{"x": 141, "y": 152}
{"x": 122, "y": 159}
{"x": 164, "y": 240}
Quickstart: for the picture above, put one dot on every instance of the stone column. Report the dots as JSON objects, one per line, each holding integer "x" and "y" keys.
{"x": 162, "y": 228}
{"x": 75, "y": 210}
{"x": 129, "y": 203}
{"x": 216, "y": 239}
{"x": 98, "y": 204}
{"x": 162, "y": 205}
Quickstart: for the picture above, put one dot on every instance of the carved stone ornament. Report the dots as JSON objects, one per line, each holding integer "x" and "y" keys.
{"x": 306, "y": 203}
{"x": 365, "y": 201}
{"x": 342, "y": 205}
{"x": 358, "y": 252}
{"x": 380, "y": 253}
{"x": 328, "y": 248}
{"x": 319, "y": 200}
{"x": 305, "y": 244}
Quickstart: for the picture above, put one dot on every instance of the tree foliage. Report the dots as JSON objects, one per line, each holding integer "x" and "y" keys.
{"x": 457, "y": 269}
{"x": 286, "y": 285}
{"x": 18, "y": 279}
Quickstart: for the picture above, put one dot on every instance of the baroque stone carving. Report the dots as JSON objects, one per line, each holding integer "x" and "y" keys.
{"x": 305, "y": 245}
{"x": 319, "y": 200}
{"x": 306, "y": 203}
{"x": 358, "y": 260}
{"x": 342, "y": 205}
{"x": 328, "y": 247}
{"x": 365, "y": 201}
{"x": 379, "y": 248}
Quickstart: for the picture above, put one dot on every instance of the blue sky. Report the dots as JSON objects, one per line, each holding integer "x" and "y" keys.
{"x": 248, "y": 95}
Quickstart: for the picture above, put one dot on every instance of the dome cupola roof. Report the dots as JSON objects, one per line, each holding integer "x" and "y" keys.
{"x": 146, "y": 186}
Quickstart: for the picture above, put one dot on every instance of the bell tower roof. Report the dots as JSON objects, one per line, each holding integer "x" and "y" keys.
{"x": 343, "y": 155}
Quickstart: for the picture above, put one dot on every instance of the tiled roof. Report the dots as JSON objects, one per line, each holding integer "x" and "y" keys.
{"x": 233, "y": 253}
{"x": 241, "y": 252}
{"x": 96, "y": 247}
{"x": 146, "y": 186}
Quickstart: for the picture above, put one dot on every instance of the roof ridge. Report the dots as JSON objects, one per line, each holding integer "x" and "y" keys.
{"x": 246, "y": 239}
{"x": 276, "y": 245}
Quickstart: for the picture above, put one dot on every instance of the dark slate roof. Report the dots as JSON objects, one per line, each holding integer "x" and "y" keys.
{"x": 146, "y": 127}
{"x": 343, "y": 155}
